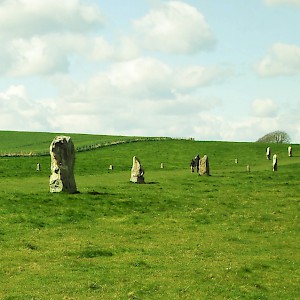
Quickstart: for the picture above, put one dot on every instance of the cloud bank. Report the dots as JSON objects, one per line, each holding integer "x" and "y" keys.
{"x": 67, "y": 66}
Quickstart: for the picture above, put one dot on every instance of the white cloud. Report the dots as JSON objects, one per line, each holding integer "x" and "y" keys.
{"x": 50, "y": 54}
{"x": 19, "y": 111}
{"x": 282, "y": 59}
{"x": 193, "y": 77}
{"x": 283, "y": 2}
{"x": 110, "y": 83}
{"x": 246, "y": 129}
{"x": 174, "y": 27}
{"x": 188, "y": 105}
{"x": 40, "y": 37}
{"x": 144, "y": 76}
{"x": 132, "y": 97}
{"x": 264, "y": 108}
{"x": 27, "y": 18}
{"x": 126, "y": 49}
{"x": 34, "y": 56}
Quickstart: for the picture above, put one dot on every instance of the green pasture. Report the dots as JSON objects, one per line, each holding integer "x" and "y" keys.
{"x": 34, "y": 143}
{"x": 232, "y": 235}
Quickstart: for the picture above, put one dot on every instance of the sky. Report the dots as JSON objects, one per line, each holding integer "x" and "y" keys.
{"x": 203, "y": 69}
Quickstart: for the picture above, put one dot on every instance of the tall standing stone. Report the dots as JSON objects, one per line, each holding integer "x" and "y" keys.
{"x": 137, "y": 171}
{"x": 290, "y": 154}
{"x": 274, "y": 163}
{"x": 204, "y": 166}
{"x": 62, "y": 153}
{"x": 197, "y": 162}
{"x": 268, "y": 153}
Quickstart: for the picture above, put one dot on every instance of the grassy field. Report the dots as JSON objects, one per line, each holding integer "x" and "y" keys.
{"x": 232, "y": 235}
{"x": 35, "y": 143}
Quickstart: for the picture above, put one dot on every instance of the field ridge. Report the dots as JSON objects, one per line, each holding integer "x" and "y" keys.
{"x": 83, "y": 148}
{"x": 24, "y": 144}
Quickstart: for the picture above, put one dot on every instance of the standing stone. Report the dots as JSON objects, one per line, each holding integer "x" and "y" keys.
{"x": 268, "y": 153}
{"x": 197, "y": 162}
{"x": 161, "y": 165}
{"x": 248, "y": 168}
{"x": 192, "y": 165}
{"x": 290, "y": 151}
{"x": 137, "y": 172}
{"x": 111, "y": 167}
{"x": 38, "y": 167}
{"x": 62, "y": 154}
{"x": 204, "y": 166}
{"x": 274, "y": 163}
{"x": 236, "y": 161}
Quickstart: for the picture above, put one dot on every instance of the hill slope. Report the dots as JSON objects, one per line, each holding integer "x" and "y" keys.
{"x": 232, "y": 235}
{"x": 37, "y": 143}
{"x": 175, "y": 154}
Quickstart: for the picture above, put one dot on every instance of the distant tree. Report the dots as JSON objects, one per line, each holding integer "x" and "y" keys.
{"x": 275, "y": 137}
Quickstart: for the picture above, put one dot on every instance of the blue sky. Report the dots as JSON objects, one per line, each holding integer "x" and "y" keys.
{"x": 212, "y": 70}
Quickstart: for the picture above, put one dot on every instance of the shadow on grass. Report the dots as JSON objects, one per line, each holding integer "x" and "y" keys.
{"x": 95, "y": 193}
{"x": 143, "y": 183}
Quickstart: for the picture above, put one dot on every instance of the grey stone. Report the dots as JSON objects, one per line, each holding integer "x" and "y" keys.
{"x": 204, "y": 166}
{"x": 268, "y": 153}
{"x": 62, "y": 153}
{"x": 290, "y": 153}
{"x": 137, "y": 171}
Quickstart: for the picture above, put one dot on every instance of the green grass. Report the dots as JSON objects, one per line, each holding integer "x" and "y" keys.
{"x": 233, "y": 235}
{"x": 15, "y": 142}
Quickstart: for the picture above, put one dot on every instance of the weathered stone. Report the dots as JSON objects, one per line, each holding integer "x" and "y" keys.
{"x": 204, "y": 166}
{"x": 268, "y": 153}
{"x": 274, "y": 162}
{"x": 62, "y": 154}
{"x": 197, "y": 162}
{"x": 137, "y": 172}
{"x": 38, "y": 167}
{"x": 290, "y": 151}
{"x": 192, "y": 165}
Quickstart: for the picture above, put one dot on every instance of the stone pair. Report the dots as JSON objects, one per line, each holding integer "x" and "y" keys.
{"x": 62, "y": 153}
